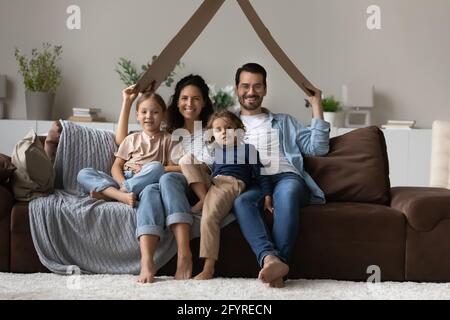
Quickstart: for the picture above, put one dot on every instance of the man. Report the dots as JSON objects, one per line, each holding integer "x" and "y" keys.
{"x": 293, "y": 188}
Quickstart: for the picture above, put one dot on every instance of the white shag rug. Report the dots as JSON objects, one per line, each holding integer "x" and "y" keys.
{"x": 43, "y": 286}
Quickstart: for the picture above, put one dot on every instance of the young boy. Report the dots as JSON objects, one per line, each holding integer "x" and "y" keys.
{"x": 236, "y": 166}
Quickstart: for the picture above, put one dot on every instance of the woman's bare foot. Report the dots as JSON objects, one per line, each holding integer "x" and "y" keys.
{"x": 184, "y": 268}
{"x": 273, "y": 270}
{"x": 205, "y": 275}
{"x": 148, "y": 271}
{"x": 99, "y": 196}
{"x": 127, "y": 198}
{"x": 197, "y": 208}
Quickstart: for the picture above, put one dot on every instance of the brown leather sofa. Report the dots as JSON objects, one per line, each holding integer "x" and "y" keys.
{"x": 405, "y": 231}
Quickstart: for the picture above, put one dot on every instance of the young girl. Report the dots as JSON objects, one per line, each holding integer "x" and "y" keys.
{"x": 140, "y": 160}
{"x": 236, "y": 165}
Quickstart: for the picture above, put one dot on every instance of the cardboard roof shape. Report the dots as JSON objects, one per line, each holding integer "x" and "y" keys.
{"x": 177, "y": 47}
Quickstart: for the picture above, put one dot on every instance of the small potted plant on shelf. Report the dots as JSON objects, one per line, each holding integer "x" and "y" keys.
{"x": 331, "y": 108}
{"x": 41, "y": 77}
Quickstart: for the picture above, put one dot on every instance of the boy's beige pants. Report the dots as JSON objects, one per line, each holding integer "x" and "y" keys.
{"x": 222, "y": 192}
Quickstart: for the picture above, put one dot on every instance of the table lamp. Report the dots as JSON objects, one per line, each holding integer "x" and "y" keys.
{"x": 357, "y": 101}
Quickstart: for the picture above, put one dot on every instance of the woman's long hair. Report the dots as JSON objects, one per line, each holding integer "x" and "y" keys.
{"x": 174, "y": 118}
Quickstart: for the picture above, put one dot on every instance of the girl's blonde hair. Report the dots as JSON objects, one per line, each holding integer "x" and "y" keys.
{"x": 149, "y": 96}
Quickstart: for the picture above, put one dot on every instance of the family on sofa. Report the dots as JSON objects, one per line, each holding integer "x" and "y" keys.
{"x": 157, "y": 175}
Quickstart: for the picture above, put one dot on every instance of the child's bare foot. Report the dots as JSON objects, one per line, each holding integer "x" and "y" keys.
{"x": 273, "y": 270}
{"x": 127, "y": 198}
{"x": 148, "y": 271}
{"x": 205, "y": 275}
{"x": 197, "y": 208}
{"x": 99, "y": 196}
{"x": 184, "y": 268}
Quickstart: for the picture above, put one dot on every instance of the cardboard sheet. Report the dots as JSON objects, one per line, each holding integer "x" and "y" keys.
{"x": 177, "y": 47}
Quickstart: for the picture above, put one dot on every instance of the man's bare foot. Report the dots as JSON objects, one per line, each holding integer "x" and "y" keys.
{"x": 148, "y": 271}
{"x": 184, "y": 268}
{"x": 273, "y": 269}
{"x": 197, "y": 208}
{"x": 277, "y": 283}
{"x": 99, "y": 196}
{"x": 128, "y": 198}
{"x": 205, "y": 275}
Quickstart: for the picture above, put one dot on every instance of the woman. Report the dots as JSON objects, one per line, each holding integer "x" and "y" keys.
{"x": 190, "y": 103}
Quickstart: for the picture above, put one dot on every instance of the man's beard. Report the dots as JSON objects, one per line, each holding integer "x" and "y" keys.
{"x": 252, "y": 106}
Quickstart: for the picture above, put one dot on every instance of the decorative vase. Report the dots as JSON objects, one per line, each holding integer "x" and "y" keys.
{"x": 39, "y": 105}
{"x": 336, "y": 119}
{"x": 330, "y": 117}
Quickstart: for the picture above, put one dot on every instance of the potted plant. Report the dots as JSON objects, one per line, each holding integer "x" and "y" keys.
{"x": 41, "y": 77}
{"x": 223, "y": 98}
{"x": 331, "y": 108}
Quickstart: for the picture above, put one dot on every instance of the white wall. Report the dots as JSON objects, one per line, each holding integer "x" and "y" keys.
{"x": 407, "y": 60}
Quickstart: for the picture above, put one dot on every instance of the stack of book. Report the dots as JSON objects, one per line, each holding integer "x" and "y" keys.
{"x": 86, "y": 115}
{"x": 399, "y": 124}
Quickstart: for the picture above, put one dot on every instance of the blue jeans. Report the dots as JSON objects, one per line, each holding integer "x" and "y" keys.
{"x": 151, "y": 214}
{"x": 94, "y": 180}
{"x": 290, "y": 195}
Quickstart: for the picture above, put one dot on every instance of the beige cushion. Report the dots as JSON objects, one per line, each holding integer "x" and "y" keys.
{"x": 34, "y": 176}
{"x": 440, "y": 155}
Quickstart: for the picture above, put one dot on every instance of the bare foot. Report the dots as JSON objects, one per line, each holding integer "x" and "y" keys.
{"x": 184, "y": 268}
{"x": 197, "y": 208}
{"x": 277, "y": 283}
{"x": 273, "y": 269}
{"x": 148, "y": 271}
{"x": 204, "y": 275}
{"x": 100, "y": 196}
{"x": 128, "y": 198}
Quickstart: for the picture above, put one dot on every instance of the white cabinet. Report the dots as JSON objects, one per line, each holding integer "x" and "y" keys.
{"x": 12, "y": 131}
{"x": 409, "y": 153}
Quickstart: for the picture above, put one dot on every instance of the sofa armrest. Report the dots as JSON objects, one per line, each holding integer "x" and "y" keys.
{"x": 423, "y": 207}
{"x": 6, "y": 203}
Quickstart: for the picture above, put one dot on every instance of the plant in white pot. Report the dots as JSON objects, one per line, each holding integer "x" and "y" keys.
{"x": 41, "y": 77}
{"x": 331, "y": 110}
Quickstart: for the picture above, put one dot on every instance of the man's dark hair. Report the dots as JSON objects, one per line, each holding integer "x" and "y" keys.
{"x": 252, "y": 68}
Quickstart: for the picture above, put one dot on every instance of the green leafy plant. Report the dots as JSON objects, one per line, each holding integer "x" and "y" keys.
{"x": 40, "y": 72}
{"x": 129, "y": 74}
{"x": 223, "y": 98}
{"x": 330, "y": 104}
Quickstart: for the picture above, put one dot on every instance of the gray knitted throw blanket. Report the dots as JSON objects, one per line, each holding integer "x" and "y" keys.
{"x": 72, "y": 231}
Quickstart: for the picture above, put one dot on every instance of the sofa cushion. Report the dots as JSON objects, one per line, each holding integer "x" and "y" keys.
{"x": 34, "y": 176}
{"x": 423, "y": 207}
{"x": 6, "y": 169}
{"x": 356, "y": 168}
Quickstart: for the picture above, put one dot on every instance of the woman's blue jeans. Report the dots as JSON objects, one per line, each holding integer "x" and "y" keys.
{"x": 290, "y": 195}
{"x": 152, "y": 216}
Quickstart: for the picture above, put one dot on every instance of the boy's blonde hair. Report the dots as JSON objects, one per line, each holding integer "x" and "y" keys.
{"x": 149, "y": 96}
